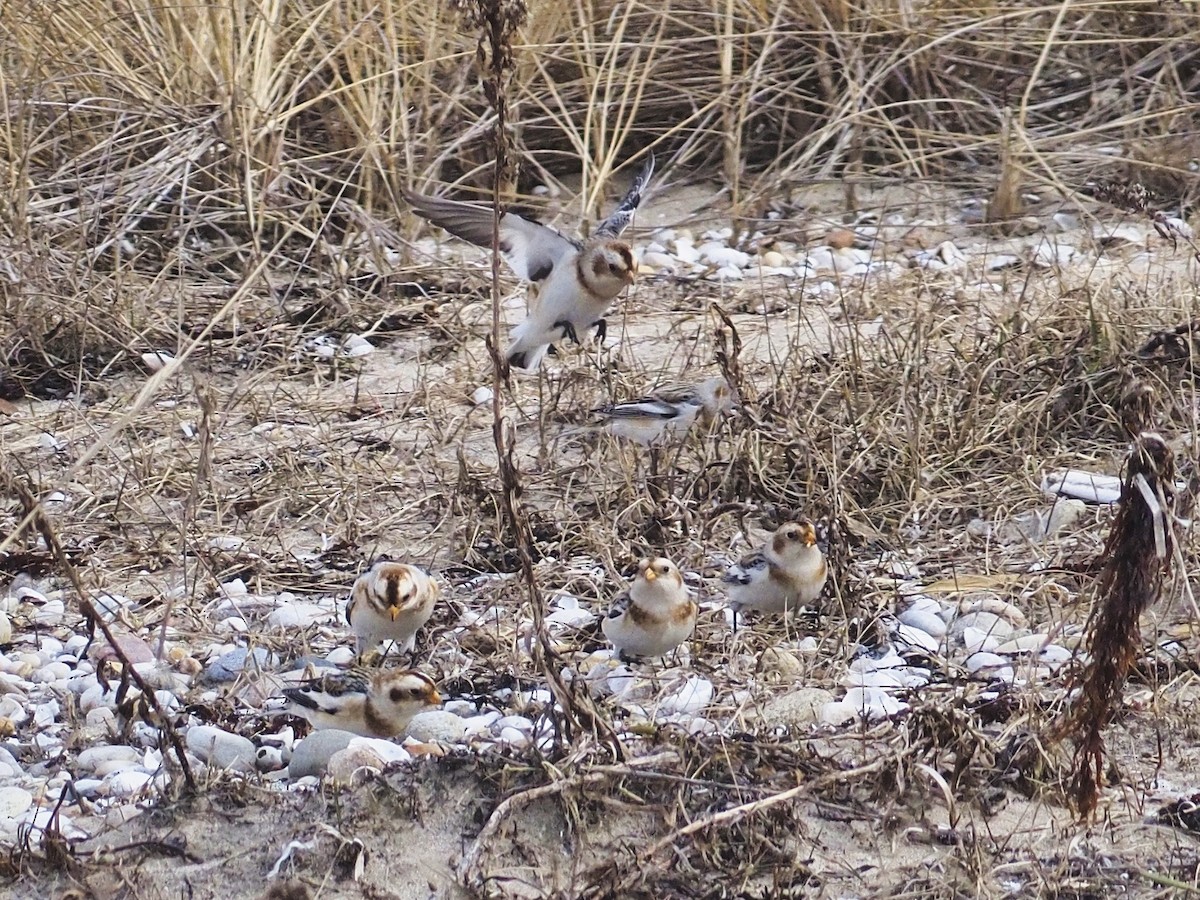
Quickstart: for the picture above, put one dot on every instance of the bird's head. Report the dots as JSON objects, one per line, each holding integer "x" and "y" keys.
{"x": 408, "y": 691}
{"x": 611, "y": 267}
{"x": 794, "y": 537}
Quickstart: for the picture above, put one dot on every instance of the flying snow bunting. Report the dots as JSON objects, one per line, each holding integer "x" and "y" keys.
{"x": 575, "y": 281}
{"x": 390, "y": 601}
{"x": 789, "y": 571}
{"x": 373, "y": 704}
{"x": 655, "y": 615}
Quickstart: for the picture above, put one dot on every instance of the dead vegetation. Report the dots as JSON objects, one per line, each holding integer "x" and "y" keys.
{"x": 221, "y": 183}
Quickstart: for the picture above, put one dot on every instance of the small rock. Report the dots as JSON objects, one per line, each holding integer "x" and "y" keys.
{"x": 343, "y": 764}
{"x": 221, "y": 749}
{"x": 134, "y": 649}
{"x": 692, "y": 697}
{"x": 799, "y": 708}
{"x": 481, "y": 395}
{"x": 14, "y": 801}
{"x": 91, "y": 758}
{"x": 437, "y": 726}
{"x": 780, "y": 662}
{"x": 841, "y": 238}
{"x": 311, "y": 756}
{"x": 229, "y": 666}
{"x": 296, "y": 614}
{"x": 127, "y": 784}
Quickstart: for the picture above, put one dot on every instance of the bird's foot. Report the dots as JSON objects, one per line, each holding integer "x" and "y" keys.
{"x": 568, "y": 330}
{"x": 601, "y": 326}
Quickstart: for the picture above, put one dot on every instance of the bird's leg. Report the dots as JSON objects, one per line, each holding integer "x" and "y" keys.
{"x": 601, "y": 326}
{"x": 568, "y": 330}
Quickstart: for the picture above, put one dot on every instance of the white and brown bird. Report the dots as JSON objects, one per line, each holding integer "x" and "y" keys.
{"x": 655, "y": 615}
{"x": 575, "y": 281}
{"x": 371, "y": 703}
{"x": 788, "y": 572}
{"x": 390, "y": 601}
{"x": 669, "y": 412}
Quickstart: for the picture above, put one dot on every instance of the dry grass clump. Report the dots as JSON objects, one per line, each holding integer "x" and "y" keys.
{"x": 257, "y": 150}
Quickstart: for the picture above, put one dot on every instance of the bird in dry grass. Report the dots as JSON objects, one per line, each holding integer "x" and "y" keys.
{"x": 670, "y": 411}
{"x": 575, "y": 281}
{"x": 371, "y": 703}
{"x": 390, "y": 601}
{"x": 787, "y": 572}
{"x": 655, "y": 615}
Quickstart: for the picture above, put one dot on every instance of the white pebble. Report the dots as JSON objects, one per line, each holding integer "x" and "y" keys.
{"x": 480, "y": 724}
{"x": 686, "y": 252}
{"x": 729, "y": 273}
{"x": 691, "y": 697}
{"x": 14, "y": 801}
{"x": 514, "y": 737}
{"x": 340, "y": 656}
{"x": 917, "y": 638}
{"x": 91, "y": 758}
{"x": 49, "y": 614}
{"x": 51, "y": 672}
{"x": 126, "y": 784}
{"x": 44, "y": 714}
{"x": 482, "y": 395}
{"x": 296, "y": 614}
{"x": 930, "y": 623}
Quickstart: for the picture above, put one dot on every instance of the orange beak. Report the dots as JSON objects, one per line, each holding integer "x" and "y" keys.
{"x": 649, "y": 575}
{"x": 395, "y": 611}
{"x": 434, "y": 698}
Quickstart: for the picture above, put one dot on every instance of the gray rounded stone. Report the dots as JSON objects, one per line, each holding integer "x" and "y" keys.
{"x": 436, "y": 726}
{"x": 311, "y": 755}
{"x": 222, "y": 749}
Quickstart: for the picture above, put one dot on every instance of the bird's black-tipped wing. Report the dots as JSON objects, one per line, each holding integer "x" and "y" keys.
{"x": 621, "y": 216}
{"x": 530, "y": 249}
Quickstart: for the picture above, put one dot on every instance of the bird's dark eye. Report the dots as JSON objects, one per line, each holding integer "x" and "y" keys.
{"x": 614, "y": 268}
{"x": 397, "y": 694}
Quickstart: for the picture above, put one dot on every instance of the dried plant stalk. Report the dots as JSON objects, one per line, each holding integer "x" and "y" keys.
{"x": 1137, "y": 557}
{"x": 498, "y": 22}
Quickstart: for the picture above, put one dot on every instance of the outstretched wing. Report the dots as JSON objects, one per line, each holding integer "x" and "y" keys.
{"x": 621, "y": 216}
{"x": 530, "y": 249}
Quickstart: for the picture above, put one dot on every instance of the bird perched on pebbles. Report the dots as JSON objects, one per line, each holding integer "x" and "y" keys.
{"x": 787, "y": 572}
{"x": 371, "y": 703}
{"x": 669, "y": 412}
{"x": 655, "y": 615}
{"x": 390, "y": 601}
{"x": 575, "y": 281}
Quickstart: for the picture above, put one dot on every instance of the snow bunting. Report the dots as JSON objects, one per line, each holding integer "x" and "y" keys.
{"x": 575, "y": 281}
{"x": 390, "y": 601}
{"x": 789, "y": 571}
{"x": 669, "y": 411}
{"x": 373, "y": 704}
{"x": 655, "y": 615}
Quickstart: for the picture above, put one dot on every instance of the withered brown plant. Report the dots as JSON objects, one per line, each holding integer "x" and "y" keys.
{"x": 498, "y": 22}
{"x": 1137, "y": 557}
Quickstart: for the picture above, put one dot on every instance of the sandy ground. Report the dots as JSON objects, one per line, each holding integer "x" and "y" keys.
{"x": 343, "y": 463}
